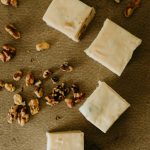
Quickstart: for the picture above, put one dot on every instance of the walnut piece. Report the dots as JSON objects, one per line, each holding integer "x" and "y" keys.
{"x": 51, "y": 101}
{"x": 7, "y": 53}
{"x": 17, "y": 75}
{"x": 42, "y": 46}
{"x": 18, "y": 100}
{"x": 38, "y": 92}
{"x": 34, "y": 106}
{"x": 29, "y": 79}
{"x": 47, "y": 73}
{"x": 9, "y": 87}
{"x": 12, "y": 113}
{"x": 13, "y": 3}
{"x": 38, "y": 83}
{"x": 69, "y": 102}
{"x": 23, "y": 116}
{"x": 11, "y": 29}
{"x": 66, "y": 67}
{"x": 117, "y": 1}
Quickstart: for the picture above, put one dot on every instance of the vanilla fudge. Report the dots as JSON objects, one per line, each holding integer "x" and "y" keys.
{"x": 69, "y": 140}
{"x": 113, "y": 47}
{"x": 70, "y": 17}
{"x": 103, "y": 107}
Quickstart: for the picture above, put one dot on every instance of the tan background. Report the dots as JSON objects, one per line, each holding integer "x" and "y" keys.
{"x": 130, "y": 132}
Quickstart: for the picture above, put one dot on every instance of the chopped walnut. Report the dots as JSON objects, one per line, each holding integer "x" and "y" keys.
{"x": 13, "y": 3}
{"x": 117, "y": 1}
{"x": 11, "y": 29}
{"x": 47, "y": 73}
{"x": 38, "y": 92}
{"x": 29, "y": 79}
{"x": 12, "y": 114}
{"x": 2, "y": 84}
{"x": 42, "y": 46}
{"x": 18, "y": 100}
{"x": 23, "y": 116}
{"x": 17, "y": 75}
{"x": 69, "y": 102}
{"x": 34, "y": 106}
{"x": 51, "y": 101}
{"x": 134, "y": 4}
{"x": 7, "y": 53}
{"x": 54, "y": 79}
{"x": 66, "y": 67}
{"x": 38, "y": 83}
{"x": 9, "y": 87}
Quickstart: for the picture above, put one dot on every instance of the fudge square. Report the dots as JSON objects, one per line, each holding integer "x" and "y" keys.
{"x": 113, "y": 47}
{"x": 69, "y": 140}
{"x": 70, "y": 17}
{"x": 103, "y": 107}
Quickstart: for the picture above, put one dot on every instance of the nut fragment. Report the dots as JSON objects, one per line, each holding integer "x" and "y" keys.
{"x": 34, "y": 106}
{"x": 55, "y": 79}
{"x": 9, "y": 87}
{"x": 12, "y": 113}
{"x": 29, "y": 79}
{"x": 38, "y": 92}
{"x": 23, "y": 116}
{"x": 17, "y": 75}
{"x": 18, "y": 100}
{"x": 13, "y": 3}
{"x": 51, "y": 101}
{"x": 2, "y": 84}
{"x": 66, "y": 67}
{"x": 117, "y": 1}
{"x": 7, "y": 53}
{"x": 11, "y": 29}
{"x": 47, "y": 73}
{"x": 42, "y": 46}
{"x": 134, "y": 4}
{"x": 69, "y": 102}
{"x": 38, "y": 83}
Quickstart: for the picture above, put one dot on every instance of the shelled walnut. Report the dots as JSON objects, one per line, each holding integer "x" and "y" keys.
{"x": 17, "y": 75}
{"x": 18, "y": 100}
{"x": 34, "y": 106}
{"x": 29, "y": 79}
{"x": 9, "y": 87}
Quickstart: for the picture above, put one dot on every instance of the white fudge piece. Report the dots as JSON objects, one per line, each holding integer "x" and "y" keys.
{"x": 70, "y": 17}
{"x": 103, "y": 107}
{"x": 113, "y": 47}
{"x": 69, "y": 140}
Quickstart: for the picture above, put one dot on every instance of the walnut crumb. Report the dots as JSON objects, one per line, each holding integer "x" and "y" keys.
{"x": 18, "y": 100}
{"x": 69, "y": 102}
{"x": 17, "y": 75}
{"x": 38, "y": 91}
{"x": 34, "y": 106}
{"x": 29, "y": 79}
{"x": 66, "y": 67}
{"x": 9, "y": 87}
{"x": 47, "y": 73}
{"x": 42, "y": 46}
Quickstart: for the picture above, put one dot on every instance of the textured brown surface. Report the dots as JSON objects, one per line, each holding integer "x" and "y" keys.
{"x": 130, "y": 132}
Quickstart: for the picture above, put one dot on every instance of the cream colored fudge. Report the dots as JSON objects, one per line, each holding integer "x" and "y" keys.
{"x": 103, "y": 107}
{"x": 70, "y": 17}
{"x": 69, "y": 140}
{"x": 113, "y": 47}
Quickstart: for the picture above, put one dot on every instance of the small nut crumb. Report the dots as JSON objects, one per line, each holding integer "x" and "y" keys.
{"x": 13, "y": 3}
{"x": 34, "y": 106}
{"x": 55, "y": 79}
{"x": 117, "y": 1}
{"x": 2, "y": 84}
{"x": 69, "y": 102}
{"x": 134, "y": 4}
{"x": 9, "y": 87}
{"x": 11, "y": 29}
{"x": 23, "y": 116}
{"x": 47, "y": 73}
{"x": 7, "y": 53}
{"x": 78, "y": 97}
{"x": 17, "y": 75}
{"x": 29, "y": 79}
{"x": 18, "y": 100}
{"x": 38, "y": 83}
{"x": 66, "y": 67}
{"x": 38, "y": 92}
{"x": 51, "y": 101}
{"x": 12, "y": 113}
{"x": 42, "y": 46}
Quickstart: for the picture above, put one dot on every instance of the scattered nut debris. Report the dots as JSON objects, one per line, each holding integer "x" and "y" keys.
{"x": 38, "y": 91}
{"x": 54, "y": 79}
{"x": 29, "y": 79}
{"x": 23, "y": 116}
{"x": 2, "y": 84}
{"x": 18, "y": 100}
{"x": 51, "y": 101}
{"x": 66, "y": 67}
{"x": 34, "y": 106}
{"x": 11, "y": 29}
{"x": 117, "y": 1}
{"x": 131, "y": 7}
{"x": 13, "y": 3}
{"x": 17, "y": 75}
{"x": 38, "y": 83}
{"x": 42, "y": 46}
{"x": 9, "y": 87}
{"x": 58, "y": 117}
{"x": 47, "y": 73}
{"x": 7, "y": 53}
{"x": 69, "y": 102}
{"x": 12, "y": 113}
